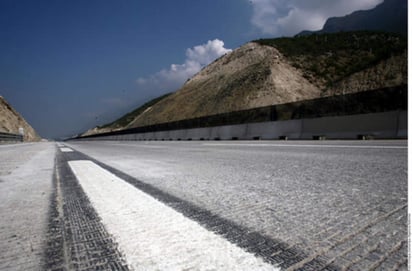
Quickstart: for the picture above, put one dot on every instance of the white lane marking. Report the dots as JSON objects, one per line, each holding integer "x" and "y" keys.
{"x": 65, "y": 149}
{"x": 136, "y": 145}
{"x": 307, "y": 146}
{"x": 153, "y": 236}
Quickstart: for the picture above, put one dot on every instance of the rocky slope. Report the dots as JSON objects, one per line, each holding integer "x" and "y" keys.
{"x": 121, "y": 123}
{"x": 250, "y": 76}
{"x": 347, "y": 62}
{"x": 11, "y": 121}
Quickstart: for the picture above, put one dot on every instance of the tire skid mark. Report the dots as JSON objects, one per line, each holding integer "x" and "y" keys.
{"x": 77, "y": 240}
{"x": 275, "y": 252}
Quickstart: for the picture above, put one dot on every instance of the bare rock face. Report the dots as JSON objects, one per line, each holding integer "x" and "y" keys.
{"x": 251, "y": 76}
{"x": 11, "y": 121}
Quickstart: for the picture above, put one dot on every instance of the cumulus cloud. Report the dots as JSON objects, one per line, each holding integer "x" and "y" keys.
{"x": 196, "y": 58}
{"x": 289, "y": 17}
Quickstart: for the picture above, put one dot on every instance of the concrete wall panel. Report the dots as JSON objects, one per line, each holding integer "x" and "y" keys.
{"x": 379, "y": 125}
{"x": 274, "y": 130}
{"x": 402, "y": 124}
{"x": 228, "y": 132}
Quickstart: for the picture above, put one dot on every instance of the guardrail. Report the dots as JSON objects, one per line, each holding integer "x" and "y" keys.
{"x": 8, "y": 137}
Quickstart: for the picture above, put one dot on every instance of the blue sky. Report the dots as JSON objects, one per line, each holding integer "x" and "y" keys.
{"x": 67, "y": 66}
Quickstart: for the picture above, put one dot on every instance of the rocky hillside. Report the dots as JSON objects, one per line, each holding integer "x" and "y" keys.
{"x": 251, "y": 76}
{"x": 346, "y": 62}
{"x": 283, "y": 70}
{"x": 126, "y": 119}
{"x": 11, "y": 121}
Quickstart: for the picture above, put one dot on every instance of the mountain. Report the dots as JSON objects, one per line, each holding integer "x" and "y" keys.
{"x": 11, "y": 121}
{"x": 389, "y": 16}
{"x": 282, "y": 70}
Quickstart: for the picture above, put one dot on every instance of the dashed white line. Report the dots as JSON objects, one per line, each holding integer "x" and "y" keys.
{"x": 153, "y": 236}
{"x": 65, "y": 149}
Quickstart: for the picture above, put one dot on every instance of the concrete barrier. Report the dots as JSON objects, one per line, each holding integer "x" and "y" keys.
{"x": 377, "y": 125}
{"x": 402, "y": 124}
{"x": 274, "y": 129}
{"x": 393, "y": 124}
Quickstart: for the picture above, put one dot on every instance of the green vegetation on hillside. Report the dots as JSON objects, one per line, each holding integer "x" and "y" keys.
{"x": 129, "y": 117}
{"x": 332, "y": 57}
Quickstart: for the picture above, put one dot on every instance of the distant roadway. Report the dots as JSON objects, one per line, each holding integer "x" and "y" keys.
{"x": 204, "y": 205}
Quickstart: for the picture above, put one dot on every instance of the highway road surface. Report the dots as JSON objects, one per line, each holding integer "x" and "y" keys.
{"x": 204, "y": 205}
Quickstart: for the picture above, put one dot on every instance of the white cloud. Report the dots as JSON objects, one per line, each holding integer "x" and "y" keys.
{"x": 289, "y": 17}
{"x": 196, "y": 58}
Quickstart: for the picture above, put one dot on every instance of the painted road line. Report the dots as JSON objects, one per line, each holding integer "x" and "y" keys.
{"x": 65, "y": 149}
{"x": 306, "y": 146}
{"x": 76, "y": 238}
{"x": 153, "y": 236}
{"x": 146, "y": 145}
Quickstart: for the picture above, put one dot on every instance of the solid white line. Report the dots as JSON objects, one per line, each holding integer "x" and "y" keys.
{"x": 65, "y": 149}
{"x": 308, "y": 146}
{"x": 153, "y": 236}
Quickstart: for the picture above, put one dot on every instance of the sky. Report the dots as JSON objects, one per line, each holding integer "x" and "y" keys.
{"x": 68, "y": 66}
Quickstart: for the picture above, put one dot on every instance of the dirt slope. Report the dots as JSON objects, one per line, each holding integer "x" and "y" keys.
{"x": 251, "y": 76}
{"x": 11, "y": 121}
